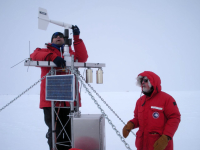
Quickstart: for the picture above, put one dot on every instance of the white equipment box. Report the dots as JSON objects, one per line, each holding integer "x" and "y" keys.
{"x": 89, "y": 132}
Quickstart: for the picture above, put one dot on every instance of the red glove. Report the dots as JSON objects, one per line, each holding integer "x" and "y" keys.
{"x": 127, "y": 129}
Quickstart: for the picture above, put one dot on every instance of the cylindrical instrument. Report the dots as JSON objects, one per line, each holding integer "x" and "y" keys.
{"x": 99, "y": 76}
{"x": 66, "y": 54}
{"x": 89, "y": 75}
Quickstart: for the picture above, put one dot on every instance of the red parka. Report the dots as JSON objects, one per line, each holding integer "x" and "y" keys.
{"x": 155, "y": 115}
{"x": 49, "y": 54}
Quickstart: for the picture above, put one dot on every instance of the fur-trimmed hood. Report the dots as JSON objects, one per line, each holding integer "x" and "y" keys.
{"x": 153, "y": 78}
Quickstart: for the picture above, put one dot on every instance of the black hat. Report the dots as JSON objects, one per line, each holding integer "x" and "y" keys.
{"x": 56, "y": 34}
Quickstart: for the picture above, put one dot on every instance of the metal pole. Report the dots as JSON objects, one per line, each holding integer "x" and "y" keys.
{"x": 72, "y": 123}
{"x": 53, "y": 119}
{"x": 77, "y": 94}
{"x": 76, "y": 86}
{"x": 72, "y": 62}
{"x": 72, "y": 109}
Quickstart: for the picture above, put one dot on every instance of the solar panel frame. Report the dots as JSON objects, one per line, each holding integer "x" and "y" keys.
{"x": 60, "y": 88}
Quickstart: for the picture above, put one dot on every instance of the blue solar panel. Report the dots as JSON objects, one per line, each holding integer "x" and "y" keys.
{"x": 60, "y": 88}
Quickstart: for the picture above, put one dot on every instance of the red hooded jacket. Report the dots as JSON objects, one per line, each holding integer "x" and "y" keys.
{"x": 49, "y": 54}
{"x": 155, "y": 115}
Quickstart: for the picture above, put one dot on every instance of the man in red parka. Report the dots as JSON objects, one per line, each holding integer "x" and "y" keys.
{"x": 53, "y": 53}
{"x": 156, "y": 114}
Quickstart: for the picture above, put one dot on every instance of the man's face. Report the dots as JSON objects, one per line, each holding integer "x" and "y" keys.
{"x": 58, "y": 39}
{"x": 145, "y": 85}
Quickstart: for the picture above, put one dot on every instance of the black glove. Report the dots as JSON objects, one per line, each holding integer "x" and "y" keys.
{"x": 76, "y": 30}
{"x": 60, "y": 62}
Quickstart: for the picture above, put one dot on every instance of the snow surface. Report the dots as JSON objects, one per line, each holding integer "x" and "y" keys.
{"x": 22, "y": 126}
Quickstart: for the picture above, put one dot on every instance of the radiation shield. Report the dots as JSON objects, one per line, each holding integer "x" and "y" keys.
{"x": 89, "y": 75}
{"x": 99, "y": 76}
{"x": 60, "y": 88}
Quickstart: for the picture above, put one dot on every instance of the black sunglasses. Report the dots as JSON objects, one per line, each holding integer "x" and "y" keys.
{"x": 56, "y": 35}
{"x": 145, "y": 80}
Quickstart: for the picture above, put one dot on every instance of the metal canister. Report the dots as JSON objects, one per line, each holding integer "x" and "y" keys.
{"x": 89, "y": 75}
{"x": 99, "y": 76}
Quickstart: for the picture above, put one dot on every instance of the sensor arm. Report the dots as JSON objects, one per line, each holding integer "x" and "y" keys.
{"x": 62, "y": 24}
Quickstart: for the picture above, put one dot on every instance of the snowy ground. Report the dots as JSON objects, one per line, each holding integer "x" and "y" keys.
{"x": 22, "y": 126}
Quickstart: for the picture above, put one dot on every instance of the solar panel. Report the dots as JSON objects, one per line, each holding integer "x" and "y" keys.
{"x": 60, "y": 88}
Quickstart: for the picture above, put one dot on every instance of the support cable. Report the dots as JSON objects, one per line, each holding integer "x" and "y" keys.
{"x": 25, "y": 91}
{"x": 103, "y": 100}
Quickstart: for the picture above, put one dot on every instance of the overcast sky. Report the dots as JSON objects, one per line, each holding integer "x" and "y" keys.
{"x": 129, "y": 36}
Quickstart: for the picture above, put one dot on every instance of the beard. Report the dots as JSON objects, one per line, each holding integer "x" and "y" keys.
{"x": 146, "y": 90}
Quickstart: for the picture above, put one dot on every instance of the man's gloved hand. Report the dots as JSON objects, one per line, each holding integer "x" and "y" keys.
{"x": 76, "y": 30}
{"x": 60, "y": 62}
{"x": 127, "y": 129}
{"x": 161, "y": 143}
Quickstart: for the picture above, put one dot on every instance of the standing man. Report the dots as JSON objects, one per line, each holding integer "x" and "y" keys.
{"x": 53, "y": 53}
{"x": 156, "y": 114}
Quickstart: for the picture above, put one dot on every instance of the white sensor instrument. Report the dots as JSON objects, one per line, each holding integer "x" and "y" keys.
{"x": 43, "y": 20}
